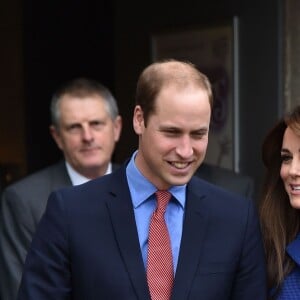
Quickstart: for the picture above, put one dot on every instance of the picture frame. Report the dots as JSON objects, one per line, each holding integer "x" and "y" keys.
{"x": 291, "y": 56}
{"x": 214, "y": 51}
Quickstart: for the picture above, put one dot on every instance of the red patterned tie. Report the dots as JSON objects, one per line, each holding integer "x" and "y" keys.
{"x": 160, "y": 263}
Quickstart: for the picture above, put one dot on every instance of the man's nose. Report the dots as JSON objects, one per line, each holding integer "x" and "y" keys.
{"x": 87, "y": 133}
{"x": 184, "y": 147}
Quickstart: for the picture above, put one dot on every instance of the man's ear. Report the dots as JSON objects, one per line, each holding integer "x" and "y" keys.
{"x": 56, "y": 136}
{"x": 117, "y": 128}
{"x": 138, "y": 120}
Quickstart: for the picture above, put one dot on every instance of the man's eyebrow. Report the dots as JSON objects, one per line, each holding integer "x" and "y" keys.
{"x": 73, "y": 124}
{"x": 204, "y": 129}
{"x": 168, "y": 127}
{"x": 178, "y": 129}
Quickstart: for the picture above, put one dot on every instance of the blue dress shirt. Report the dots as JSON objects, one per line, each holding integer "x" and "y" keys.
{"x": 291, "y": 286}
{"x": 144, "y": 203}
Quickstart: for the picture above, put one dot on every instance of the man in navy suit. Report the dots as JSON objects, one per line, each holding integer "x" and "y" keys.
{"x": 92, "y": 241}
{"x": 85, "y": 125}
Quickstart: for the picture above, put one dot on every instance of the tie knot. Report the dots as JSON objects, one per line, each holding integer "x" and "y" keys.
{"x": 163, "y": 198}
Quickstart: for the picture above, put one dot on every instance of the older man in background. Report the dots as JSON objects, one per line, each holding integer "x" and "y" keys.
{"x": 85, "y": 126}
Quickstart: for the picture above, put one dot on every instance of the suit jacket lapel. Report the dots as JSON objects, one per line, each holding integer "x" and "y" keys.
{"x": 194, "y": 229}
{"x": 59, "y": 176}
{"x": 123, "y": 222}
{"x": 114, "y": 167}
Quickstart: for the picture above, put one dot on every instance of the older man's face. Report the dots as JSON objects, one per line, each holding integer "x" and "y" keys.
{"x": 86, "y": 134}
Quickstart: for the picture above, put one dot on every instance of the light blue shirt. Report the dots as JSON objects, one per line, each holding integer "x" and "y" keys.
{"x": 144, "y": 203}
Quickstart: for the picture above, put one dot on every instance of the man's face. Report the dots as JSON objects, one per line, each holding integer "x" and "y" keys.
{"x": 86, "y": 134}
{"x": 174, "y": 143}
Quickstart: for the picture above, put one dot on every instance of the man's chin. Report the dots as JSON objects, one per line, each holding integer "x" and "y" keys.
{"x": 182, "y": 180}
{"x": 91, "y": 164}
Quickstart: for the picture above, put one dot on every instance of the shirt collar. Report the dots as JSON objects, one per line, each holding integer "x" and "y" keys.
{"x": 77, "y": 178}
{"x": 142, "y": 188}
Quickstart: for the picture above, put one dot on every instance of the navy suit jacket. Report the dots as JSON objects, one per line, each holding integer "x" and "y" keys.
{"x": 86, "y": 246}
{"x": 22, "y": 206}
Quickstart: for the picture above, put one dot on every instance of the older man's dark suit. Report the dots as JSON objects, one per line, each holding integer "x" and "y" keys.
{"x": 227, "y": 179}
{"x": 86, "y": 246}
{"x": 22, "y": 206}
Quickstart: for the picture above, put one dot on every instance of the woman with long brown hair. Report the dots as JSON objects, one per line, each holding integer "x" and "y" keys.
{"x": 280, "y": 207}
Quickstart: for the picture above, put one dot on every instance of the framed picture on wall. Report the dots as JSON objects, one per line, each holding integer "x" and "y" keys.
{"x": 214, "y": 51}
{"x": 291, "y": 74}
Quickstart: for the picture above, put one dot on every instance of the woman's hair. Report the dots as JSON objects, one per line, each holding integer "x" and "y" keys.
{"x": 279, "y": 220}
